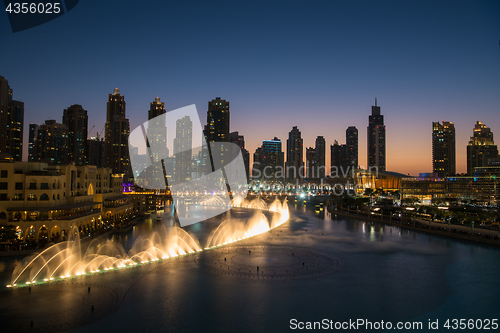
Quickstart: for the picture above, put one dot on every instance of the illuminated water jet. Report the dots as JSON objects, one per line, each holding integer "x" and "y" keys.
{"x": 66, "y": 259}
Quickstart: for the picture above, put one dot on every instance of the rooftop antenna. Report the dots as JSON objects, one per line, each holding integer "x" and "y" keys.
{"x": 375, "y": 101}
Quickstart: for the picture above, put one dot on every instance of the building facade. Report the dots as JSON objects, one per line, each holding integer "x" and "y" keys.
{"x": 294, "y": 156}
{"x": 51, "y": 144}
{"x": 481, "y": 148}
{"x": 376, "y": 139}
{"x": 117, "y": 131}
{"x": 11, "y": 122}
{"x": 76, "y": 120}
{"x": 443, "y": 149}
{"x": 45, "y": 202}
{"x": 320, "y": 151}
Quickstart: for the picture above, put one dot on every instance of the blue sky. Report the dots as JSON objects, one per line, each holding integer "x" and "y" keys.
{"x": 315, "y": 65}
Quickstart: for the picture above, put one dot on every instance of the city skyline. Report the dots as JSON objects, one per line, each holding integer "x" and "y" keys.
{"x": 148, "y": 113}
{"x": 316, "y": 67}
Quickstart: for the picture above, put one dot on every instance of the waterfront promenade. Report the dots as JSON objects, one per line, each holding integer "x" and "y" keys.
{"x": 487, "y": 236}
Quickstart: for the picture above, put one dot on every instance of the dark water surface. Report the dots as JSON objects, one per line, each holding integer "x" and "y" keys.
{"x": 385, "y": 273}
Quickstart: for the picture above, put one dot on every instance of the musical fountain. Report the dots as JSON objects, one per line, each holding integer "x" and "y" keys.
{"x": 68, "y": 260}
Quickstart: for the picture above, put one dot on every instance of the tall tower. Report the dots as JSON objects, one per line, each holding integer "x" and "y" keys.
{"x": 31, "y": 145}
{"x": 294, "y": 155}
{"x": 76, "y": 120}
{"x": 320, "y": 152}
{"x": 351, "y": 142}
{"x": 272, "y": 160}
{"x": 218, "y": 120}
{"x": 239, "y": 140}
{"x": 376, "y": 139}
{"x": 51, "y": 144}
{"x": 443, "y": 149}
{"x": 480, "y": 148}
{"x": 11, "y": 122}
{"x": 183, "y": 145}
{"x": 157, "y": 130}
{"x": 116, "y": 135}
{"x": 311, "y": 163}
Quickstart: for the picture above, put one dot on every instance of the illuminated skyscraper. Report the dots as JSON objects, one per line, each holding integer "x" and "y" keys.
{"x": 218, "y": 120}
{"x": 157, "y": 130}
{"x": 311, "y": 163}
{"x": 351, "y": 142}
{"x": 218, "y": 126}
{"x": 480, "y": 148}
{"x": 183, "y": 145}
{"x": 76, "y": 121}
{"x": 294, "y": 155}
{"x": 320, "y": 151}
{"x": 31, "y": 142}
{"x": 272, "y": 160}
{"x": 51, "y": 144}
{"x": 443, "y": 149}
{"x": 116, "y": 135}
{"x": 376, "y": 139}
{"x": 11, "y": 122}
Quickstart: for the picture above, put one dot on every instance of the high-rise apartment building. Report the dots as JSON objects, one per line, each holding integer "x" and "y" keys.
{"x": 218, "y": 120}
{"x": 96, "y": 151}
{"x": 157, "y": 130}
{"x": 272, "y": 160}
{"x": 51, "y": 144}
{"x": 31, "y": 139}
{"x": 338, "y": 160}
{"x": 11, "y": 122}
{"x": 376, "y": 139}
{"x": 116, "y": 136}
{"x": 183, "y": 147}
{"x": 239, "y": 140}
{"x": 311, "y": 163}
{"x": 481, "y": 148}
{"x": 257, "y": 164}
{"x": 320, "y": 151}
{"x": 76, "y": 120}
{"x": 443, "y": 149}
{"x": 351, "y": 142}
{"x": 294, "y": 155}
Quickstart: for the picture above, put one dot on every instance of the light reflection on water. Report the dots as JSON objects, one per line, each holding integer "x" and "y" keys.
{"x": 386, "y": 273}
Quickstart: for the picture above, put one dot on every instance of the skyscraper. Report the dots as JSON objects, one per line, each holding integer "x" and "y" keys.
{"x": 31, "y": 145}
{"x": 157, "y": 130}
{"x": 257, "y": 164}
{"x": 320, "y": 152}
{"x": 294, "y": 155}
{"x": 351, "y": 139}
{"x": 16, "y": 124}
{"x": 338, "y": 160}
{"x": 218, "y": 126}
{"x": 218, "y": 120}
{"x": 272, "y": 160}
{"x": 11, "y": 122}
{"x": 76, "y": 120}
{"x": 51, "y": 144}
{"x": 443, "y": 149}
{"x": 95, "y": 151}
{"x": 376, "y": 139}
{"x": 239, "y": 140}
{"x": 311, "y": 163}
{"x": 116, "y": 135}
{"x": 183, "y": 145}
{"x": 481, "y": 147}
{"x": 344, "y": 158}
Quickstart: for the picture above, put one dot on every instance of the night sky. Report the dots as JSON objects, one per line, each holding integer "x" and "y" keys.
{"x": 315, "y": 65}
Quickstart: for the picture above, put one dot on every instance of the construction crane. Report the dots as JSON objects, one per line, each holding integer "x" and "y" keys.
{"x": 88, "y": 134}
